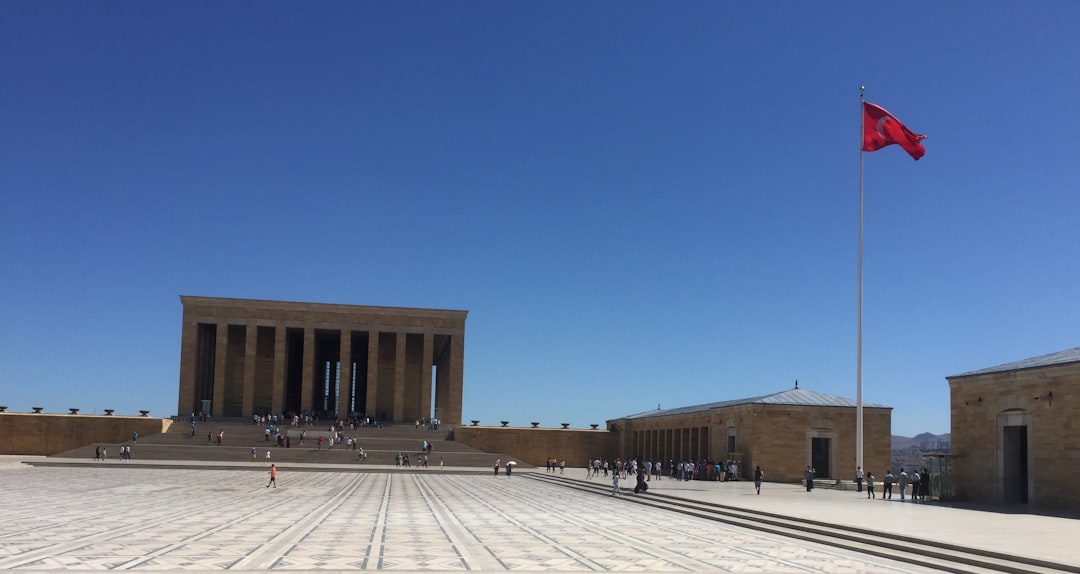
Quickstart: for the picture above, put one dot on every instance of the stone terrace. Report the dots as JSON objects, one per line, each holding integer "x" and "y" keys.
{"x": 382, "y": 445}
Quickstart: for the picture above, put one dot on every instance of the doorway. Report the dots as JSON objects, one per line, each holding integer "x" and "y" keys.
{"x": 1014, "y": 475}
{"x": 819, "y": 456}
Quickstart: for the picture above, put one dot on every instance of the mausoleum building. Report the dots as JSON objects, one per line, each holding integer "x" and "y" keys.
{"x": 241, "y": 357}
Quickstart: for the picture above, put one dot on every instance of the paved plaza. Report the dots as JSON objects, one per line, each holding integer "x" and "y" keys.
{"x": 188, "y": 518}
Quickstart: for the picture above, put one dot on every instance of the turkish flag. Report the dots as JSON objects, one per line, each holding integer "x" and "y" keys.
{"x": 880, "y": 128}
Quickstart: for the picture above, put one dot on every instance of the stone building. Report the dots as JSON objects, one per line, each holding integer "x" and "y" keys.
{"x": 241, "y": 357}
{"x": 1016, "y": 432}
{"x": 783, "y": 433}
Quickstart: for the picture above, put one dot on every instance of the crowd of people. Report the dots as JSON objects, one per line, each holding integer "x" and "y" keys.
{"x": 722, "y": 471}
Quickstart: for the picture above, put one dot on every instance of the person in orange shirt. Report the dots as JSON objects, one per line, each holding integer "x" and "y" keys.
{"x": 273, "y": 477}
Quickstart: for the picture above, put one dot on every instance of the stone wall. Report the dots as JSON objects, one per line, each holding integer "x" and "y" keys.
{"x": 535, "y": 445}
{"x": 781, "y": 439}
{"x": 776, "y": 437}
{"x": 47, "y": 434}
{"x": 1045, "y": 401}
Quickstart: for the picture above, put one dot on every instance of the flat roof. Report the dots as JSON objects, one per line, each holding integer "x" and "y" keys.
{"x": 271, "y": 304}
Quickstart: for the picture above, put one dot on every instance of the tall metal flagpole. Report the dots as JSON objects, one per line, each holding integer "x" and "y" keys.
{"x": 858, "y": 378}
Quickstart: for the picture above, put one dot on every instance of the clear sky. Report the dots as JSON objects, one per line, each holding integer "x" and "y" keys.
{"x": 638, "y": 203}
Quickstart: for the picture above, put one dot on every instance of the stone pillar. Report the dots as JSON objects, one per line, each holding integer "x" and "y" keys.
{"x": 399, "y": 377}
{"x": 277, "y": 401}
{"x": 373, "y": 373}
{"x": 308, "y": 382}
{"x": 452, "y": 406}
{"x": 189, "y": 341}
{"x": 250, "y": 340}
{"x": 220, "y": 365}
{"x": 345, "y": 384}
{"x": 425, "y": 374}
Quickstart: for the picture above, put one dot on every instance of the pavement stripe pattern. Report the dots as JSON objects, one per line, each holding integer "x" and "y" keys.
{"x": 191, "y": 519}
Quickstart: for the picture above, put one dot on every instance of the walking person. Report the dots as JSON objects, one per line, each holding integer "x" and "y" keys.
{"x": 758, "y": 477}
{"x": 887, "y": 490}
{"x": 615, "y": 484}
{"x": 924, "y": 483}
{"x": 903, "y": 483}
{"x": 870, "y": 485}
{"x": 916, "y": 483}
{"x": 498, "y": 463}
{"x": 808, "y": 475}
{"x": 273, "y": 477}
{"x": 858, "y": 478}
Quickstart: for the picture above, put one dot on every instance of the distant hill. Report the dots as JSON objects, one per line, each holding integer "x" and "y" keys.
{"x": 907, "y": 452}
{"x": 925, "y": 442}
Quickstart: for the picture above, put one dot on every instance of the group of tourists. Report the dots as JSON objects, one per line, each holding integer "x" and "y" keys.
{"x": 552, "y": 462}
{"x": 509, "y": 467}
{"x": 313, "y": 418}
{"x": 431, "y": 424}
{"x": 102, "y": 453}
{"x": 724, "y": 471}
{"x": 919, "y": 481}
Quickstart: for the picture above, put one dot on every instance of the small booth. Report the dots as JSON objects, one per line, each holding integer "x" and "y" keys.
{"x": 942, "y": 475}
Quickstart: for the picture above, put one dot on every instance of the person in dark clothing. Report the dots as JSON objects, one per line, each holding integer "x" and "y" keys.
{"x": 641, "y": 486}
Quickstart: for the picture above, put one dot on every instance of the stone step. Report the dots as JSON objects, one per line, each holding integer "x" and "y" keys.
{"x": 382, "y": 446}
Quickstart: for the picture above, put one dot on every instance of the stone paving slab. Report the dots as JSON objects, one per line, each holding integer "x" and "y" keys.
{"x": 999, "y": 530}
{"x": 94, "y": 517}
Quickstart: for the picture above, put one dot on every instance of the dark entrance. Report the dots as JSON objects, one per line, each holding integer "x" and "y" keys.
{"x": 819, "y": 457}
{"x": 1015, "y": 473}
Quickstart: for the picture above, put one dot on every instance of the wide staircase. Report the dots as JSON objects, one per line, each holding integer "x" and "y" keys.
{"x": 382, "y": 446}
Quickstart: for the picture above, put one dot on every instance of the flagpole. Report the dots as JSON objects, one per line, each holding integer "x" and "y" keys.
{"x": 858, "y": 377}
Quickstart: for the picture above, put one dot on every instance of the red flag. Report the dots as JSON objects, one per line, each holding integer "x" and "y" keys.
{"x": 880, "y": 128}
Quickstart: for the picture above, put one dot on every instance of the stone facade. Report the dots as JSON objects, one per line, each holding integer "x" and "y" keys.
{"x": 241, "y": 357}
{"x": 48, "y": 434}
{"x": 783, "y": 433}
{"x": 1016, "y": 432}
{"x": 535, "y": 445}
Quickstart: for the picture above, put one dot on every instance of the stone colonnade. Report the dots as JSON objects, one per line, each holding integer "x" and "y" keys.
{"x": 241, "y": 357}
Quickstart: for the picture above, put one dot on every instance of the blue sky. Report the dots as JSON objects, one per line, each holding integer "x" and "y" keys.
{"x": 638, "y": 203}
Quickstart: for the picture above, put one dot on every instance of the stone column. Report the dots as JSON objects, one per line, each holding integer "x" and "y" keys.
{"x": 220, "y": 363}
{"x": 345, "y": 384}
{"x": 372, "y": 373}
{"x": 277, "y": 401}
{"x": 189, "y": 341}
{"x": 308, "y": 382}
{"x": 250, "y": 340}
{"x": 425, "y": 374}
{"x": 399, "y": 377}
{"x": 452, "y": 406}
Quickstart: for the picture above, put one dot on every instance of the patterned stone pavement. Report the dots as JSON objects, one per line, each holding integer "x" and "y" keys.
{"x": 94, "y": 518}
